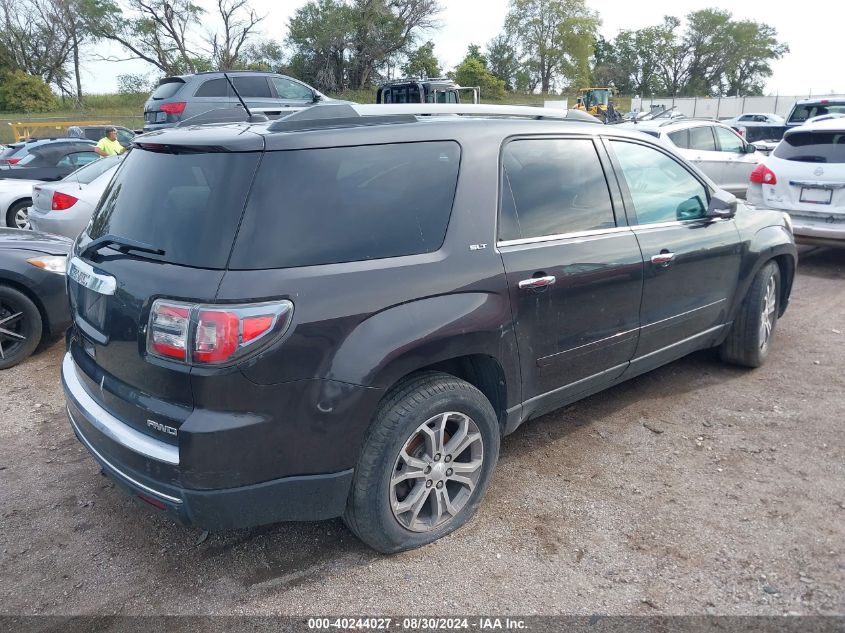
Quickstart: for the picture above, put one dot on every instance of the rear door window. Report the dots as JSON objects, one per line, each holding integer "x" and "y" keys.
{"x": 701, "y": 138}
{"x": 344, "y": 204}
{"x": 813, "y": 147}
{"x": 680, "y": 138}
{"x": 254, "y": 87}
{"x": 189, "y": 205}
{"x": 552, "y": 187}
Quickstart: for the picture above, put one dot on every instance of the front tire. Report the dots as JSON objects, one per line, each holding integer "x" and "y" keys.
{"x": 425, "y": 463}
{"x": 750, "y": 338}
{"x": 20, "y": 327}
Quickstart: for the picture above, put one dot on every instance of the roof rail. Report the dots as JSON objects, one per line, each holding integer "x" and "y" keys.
{"x": 343, "y": 115}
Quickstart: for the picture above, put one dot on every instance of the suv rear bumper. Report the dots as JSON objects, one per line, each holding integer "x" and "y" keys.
{"x": 149, "y": 469}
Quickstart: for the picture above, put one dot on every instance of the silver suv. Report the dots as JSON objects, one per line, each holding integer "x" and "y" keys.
{"x": 185, "y": 96}
{"x": 713, "y": 147}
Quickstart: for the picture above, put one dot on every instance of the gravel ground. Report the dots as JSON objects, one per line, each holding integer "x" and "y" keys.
{"x": 696, "y": 489}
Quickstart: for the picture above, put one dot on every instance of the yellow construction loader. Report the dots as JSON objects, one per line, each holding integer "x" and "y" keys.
{"x": 597, "y": 101}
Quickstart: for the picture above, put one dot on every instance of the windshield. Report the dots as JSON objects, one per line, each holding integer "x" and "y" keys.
{"x": 813, "y": 147}
{"x": 85, "y": 175}
{"x": 801, "y": 113}
{"x": 188, "y": 205}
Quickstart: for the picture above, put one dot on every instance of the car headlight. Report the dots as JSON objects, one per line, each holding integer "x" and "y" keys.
{"x": 51, "y": 263}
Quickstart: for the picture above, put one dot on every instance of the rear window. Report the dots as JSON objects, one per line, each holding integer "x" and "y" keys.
{"x": 806, "y": 111}
{"x": 168, "y": 89}
{"x": 188, "y": 205}
{"x": 343, "y": 204}
{"x": 813, "y": 147}
{"x": 93, "y": 170}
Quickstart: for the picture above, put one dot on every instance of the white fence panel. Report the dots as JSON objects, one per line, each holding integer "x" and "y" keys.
{"x": 723, "y": 107}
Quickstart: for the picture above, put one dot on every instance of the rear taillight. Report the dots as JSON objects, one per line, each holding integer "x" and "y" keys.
{"x": 9, "y": 161}
{"x": 177, "y": 107}
{"x": 763, "y": 175}
{"x": 214, "y": 334}
{"x": 62, "y": 201}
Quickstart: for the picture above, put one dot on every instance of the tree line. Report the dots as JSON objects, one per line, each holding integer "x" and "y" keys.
{"x": 545, "y": 46}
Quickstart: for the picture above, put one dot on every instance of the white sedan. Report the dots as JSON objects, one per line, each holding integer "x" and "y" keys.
{"x": 15, "y": 199}
{"x": 66, "y": 206}
{"x": 805, "y": 176}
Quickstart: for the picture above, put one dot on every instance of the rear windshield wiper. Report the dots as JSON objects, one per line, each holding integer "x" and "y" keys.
{"x": 123, "y": 243}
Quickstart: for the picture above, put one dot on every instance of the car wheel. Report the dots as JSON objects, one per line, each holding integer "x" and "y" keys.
{"x": 750, "y": 338}
{"x": 425, "y": 463}
{"x": 17, "y": 217}
{"x": 20, "y": 327}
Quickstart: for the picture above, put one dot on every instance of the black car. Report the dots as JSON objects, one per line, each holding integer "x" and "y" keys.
{"x": 341, "y": 313}
{"x": 52, "y": 161}
{"x": 33, "y": 298}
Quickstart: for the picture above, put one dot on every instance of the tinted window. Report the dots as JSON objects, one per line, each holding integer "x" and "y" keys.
{"x": 680, "y": 138}
{"x": 728, "y": 141}
{"x": 701, "y": 138}
{"x": 93, "y": 170}
{"x": 125, "y": 136}
{"x": 661, "y": 189}
{"x": 189, "y": 205}
{"x": 343, "y": 204}
{"x": 167, "y": 90}
{"x": 557, "y": 186}
{"x": 287, "y": 89}
{"x": 813, "y": 147}
{"x": 77, "y": 159}
{"x": 808, "y": 111}
{"x": 252, "y": 87}
{"x": 214, "y": 88}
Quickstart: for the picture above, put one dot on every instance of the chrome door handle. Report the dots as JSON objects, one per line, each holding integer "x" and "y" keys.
{"x": 663, "y": 259}
{"x": 537, "y": 282}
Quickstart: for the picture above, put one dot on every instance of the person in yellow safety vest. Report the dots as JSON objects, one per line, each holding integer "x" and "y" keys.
{"x": 109, "y": 145}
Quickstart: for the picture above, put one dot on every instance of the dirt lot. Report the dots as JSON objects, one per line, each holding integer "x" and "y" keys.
{"x": 698, "y": 488}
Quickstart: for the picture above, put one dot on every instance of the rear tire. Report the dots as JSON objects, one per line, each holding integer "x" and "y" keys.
{"x": 16, "y": 216}
{"x": 20, "y": 327}
{"x": 751, "y": 334}
{"x": 402, "y": 495}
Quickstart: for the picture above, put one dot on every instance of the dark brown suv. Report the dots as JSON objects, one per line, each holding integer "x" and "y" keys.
{"x": 341, "y": 313}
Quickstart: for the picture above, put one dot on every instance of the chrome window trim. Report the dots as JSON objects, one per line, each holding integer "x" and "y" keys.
{"x": 116, "y": 470}
{"x": 110, "y": 426}
{"x": 563, "y": 236}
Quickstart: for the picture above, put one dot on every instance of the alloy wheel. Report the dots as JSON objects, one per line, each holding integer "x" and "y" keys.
{"x": 13, "y": 330}
{"x": 768, "y": 313}
{"x": 436, "y": 471}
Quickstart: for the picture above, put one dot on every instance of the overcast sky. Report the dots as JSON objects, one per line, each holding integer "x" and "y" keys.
{"x": 813, "y": 31}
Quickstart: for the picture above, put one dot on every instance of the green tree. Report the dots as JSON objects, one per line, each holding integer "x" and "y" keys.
{"x": 474, "y": 52}
{"x": 558, "y": 37}
{"x": 422, "y": 61}
{"x": 471, "y": 72}
{"x": 752, "y": 46}
{"x": 503, "y": 60}
{"x": 20, "y": 92}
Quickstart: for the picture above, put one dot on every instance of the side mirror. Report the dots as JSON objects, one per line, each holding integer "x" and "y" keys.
{"x": 316, "y": 96}
{"x": 750, "y": 149}
{"x": 722, "y": 205}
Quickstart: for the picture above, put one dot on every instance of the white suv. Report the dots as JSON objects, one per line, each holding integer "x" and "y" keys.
{"x": 714, "y": 148}
{"x": 805, "y": 176}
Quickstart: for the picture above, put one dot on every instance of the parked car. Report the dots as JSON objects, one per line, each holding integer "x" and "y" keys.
{"x": 15, "y": 200}
{"x": 185, "y": 96}
{"x": 713, "y": 147}
{"x": 97, "y": 132}
{"x": 432, "y": 283}
{"x": 33, "y": 300}
{"x": 755, "y": 119}
{"x": 806, "y": 109}
{"x": 14, "y": 153}
{"x": 805, "y": 176}
{"x": 52, "y": 161}
{"x": 65, "y": 207}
